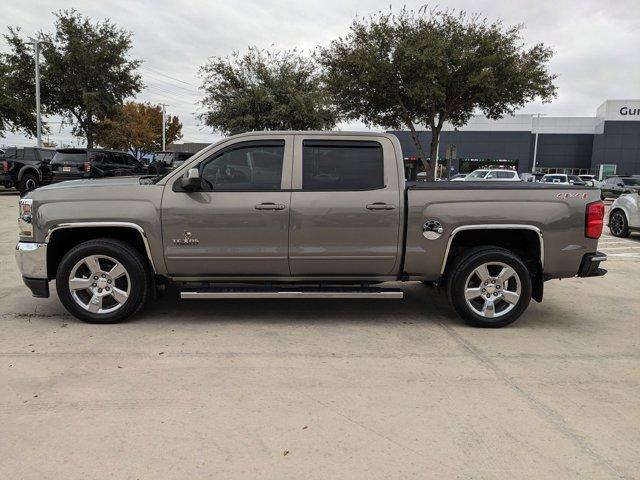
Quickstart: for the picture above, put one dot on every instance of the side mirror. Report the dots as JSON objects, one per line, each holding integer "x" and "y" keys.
{"x": 190, "y": 181}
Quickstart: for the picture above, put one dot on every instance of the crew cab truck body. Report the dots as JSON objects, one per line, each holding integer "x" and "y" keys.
{"x": 304, "y": 214}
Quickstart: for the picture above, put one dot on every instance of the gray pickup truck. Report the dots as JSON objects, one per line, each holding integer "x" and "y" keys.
{"x": 304, "y": 215}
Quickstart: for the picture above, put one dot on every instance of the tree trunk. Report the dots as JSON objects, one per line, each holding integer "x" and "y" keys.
{"x": 428, "y": 165}
{"x": 433, "y": 153}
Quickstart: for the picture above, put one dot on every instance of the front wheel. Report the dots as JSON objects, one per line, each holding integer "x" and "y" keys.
{"x": 618, "y": 225}
{"x": 490, "y": 287}
{"x": 103, "y": 281}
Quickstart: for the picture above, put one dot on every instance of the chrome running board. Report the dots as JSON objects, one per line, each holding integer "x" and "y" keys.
{"x": 343, "y": 292}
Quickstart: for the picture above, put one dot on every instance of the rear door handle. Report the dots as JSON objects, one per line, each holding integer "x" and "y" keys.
{"x": 380, "y": 206}
{"x": 270, "y": 206}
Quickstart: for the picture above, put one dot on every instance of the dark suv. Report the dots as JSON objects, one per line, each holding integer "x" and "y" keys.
{"x": 166, "y": 161}
{"x": 613, "y": 187}
{"x": 73, "y": 163}
{"x": 25, "y": 168}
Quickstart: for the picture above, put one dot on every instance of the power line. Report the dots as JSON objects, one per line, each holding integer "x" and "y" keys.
{"x": 169, "y": 76}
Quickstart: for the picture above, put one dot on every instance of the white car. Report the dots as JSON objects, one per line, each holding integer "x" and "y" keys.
{"x": 562, "y": 179}
{"x": 590, "y": 180}
{"x": 624, "y": 216}
{"x": 459, "y": 177}
{"x": 493, "y": 175}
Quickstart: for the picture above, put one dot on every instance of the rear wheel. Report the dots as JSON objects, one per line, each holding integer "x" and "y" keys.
{"x": 28, "y": 182}
{"x": 490, "y": 287}
{"x": 618, "y": 225}
{"x": 103, "y": 281}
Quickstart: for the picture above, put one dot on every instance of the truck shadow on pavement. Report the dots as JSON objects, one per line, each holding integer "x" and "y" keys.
{"x": 421, "y": 304}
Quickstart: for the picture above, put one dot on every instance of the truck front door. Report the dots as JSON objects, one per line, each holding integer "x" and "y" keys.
{"x": 238, "y": 224}
{"x": 346, "y": 207}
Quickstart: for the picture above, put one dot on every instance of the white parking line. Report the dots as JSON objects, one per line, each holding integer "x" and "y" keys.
{"x": 620, "y": 248}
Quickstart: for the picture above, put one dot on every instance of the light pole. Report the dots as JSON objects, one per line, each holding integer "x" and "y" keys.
{"x": 36, "y": 50}
{"x": 535, "y": 145}
{"x": 164, "y": 121}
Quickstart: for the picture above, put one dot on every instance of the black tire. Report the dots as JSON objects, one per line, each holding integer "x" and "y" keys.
{"x": 134, "y": 264}
{"x": 29, "y": 181}
{"x": 462, "y": 272}
{"x": 618, "y": 224}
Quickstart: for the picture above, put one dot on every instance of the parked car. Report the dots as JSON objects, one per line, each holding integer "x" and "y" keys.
{"x": 332, "y": 217}
{"x": 74, "y": 163}
{"x": 26, "y": 168}
{"x": 589, "y": 180}
{"x": 613, "y": 187}
{"x": 562, "y": 179}
{"x": 494, "y": 175}
{"x": 458, "y": 177}
{"x": 163, "y": 162}
{"x": 624, "y": 216}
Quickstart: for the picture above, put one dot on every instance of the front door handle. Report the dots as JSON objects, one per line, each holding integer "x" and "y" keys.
{"x": 270, "y": 206}
{"x": 380, "y": 206}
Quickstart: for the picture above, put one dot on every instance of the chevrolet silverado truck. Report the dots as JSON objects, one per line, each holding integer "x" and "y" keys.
{"x": 304, "y": 215}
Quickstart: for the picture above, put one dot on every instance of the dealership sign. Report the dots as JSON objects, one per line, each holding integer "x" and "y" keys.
{"x": 627, "y": 110}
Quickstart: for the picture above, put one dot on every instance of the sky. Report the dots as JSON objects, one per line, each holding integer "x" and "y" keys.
{"x": 596, "y": 43}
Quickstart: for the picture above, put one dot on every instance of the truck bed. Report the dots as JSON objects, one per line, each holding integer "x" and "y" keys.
{"x": 554, "y": 213}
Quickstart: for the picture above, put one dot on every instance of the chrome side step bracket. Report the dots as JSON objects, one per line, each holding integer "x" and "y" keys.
{"x": 292, "y": 293}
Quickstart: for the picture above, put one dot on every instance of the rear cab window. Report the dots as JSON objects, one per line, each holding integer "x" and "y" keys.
{"x": 69, "y": 158}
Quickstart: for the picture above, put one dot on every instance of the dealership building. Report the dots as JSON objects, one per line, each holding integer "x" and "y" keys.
{"x": 608, "y": 142}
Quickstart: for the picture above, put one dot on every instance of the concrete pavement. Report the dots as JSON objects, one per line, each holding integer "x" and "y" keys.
{"x": 322, "y": 389}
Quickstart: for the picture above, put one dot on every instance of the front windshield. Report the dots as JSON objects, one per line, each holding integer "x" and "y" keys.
{"x": 631, "y": 182}
{"x": 477, "y": 174}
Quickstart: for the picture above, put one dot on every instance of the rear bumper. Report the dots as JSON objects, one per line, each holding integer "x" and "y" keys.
{"x": 32, "y": 262}
{"x": 590, "y": 265}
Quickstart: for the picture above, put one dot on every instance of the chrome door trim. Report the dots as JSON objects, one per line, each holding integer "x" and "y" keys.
{"x": 497, "y": 226}
{"x": 135, "y": 226}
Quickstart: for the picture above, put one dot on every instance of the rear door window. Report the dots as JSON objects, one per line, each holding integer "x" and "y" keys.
{"x": 342, "y": 165}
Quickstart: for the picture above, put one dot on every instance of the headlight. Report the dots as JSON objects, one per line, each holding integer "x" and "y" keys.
{"x": 26, "y": 216}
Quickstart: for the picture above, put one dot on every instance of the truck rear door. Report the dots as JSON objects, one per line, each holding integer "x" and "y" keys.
{"x": 346, "y": 206}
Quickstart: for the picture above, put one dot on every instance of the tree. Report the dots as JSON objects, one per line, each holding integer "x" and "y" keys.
{"x": 265, "y": 91}
{"x": 138, "y": 127}
{"x": 17, "y": 87}
{"x": 85, "y": 74}
{"x": 426, "y": 67}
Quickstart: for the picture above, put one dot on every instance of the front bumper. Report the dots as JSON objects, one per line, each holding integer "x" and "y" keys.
{"x": 32, "y": 262}
{"x": 590, "y": 265}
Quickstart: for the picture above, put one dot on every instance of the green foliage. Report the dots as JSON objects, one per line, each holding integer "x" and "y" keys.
{"x": 425, "y": 67}
{"x": 138, "y": 127}
{"x": 265, "y": 91}
{"x": 85, "y": 71}
{"x": 17, "y": 86}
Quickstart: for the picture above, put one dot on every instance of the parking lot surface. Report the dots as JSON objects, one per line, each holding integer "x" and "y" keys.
{"x": 326, "y": 389}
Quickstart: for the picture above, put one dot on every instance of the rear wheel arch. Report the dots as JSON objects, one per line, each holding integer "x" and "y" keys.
{"x": 29, "y": 169}
{"x": 61, "y": 239}
{"x": 524, "y": 241}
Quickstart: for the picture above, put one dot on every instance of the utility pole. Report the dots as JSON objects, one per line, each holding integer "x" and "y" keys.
{"x": 36, "y": 50}
{"x": 535, "y": 146}
{"x": 164, "y": 121}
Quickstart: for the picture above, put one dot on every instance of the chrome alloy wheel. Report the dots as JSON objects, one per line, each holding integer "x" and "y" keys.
{"x": 99, "y": 284}
{"x": 492, "y": 289}
{"x": 616, "y": 223}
